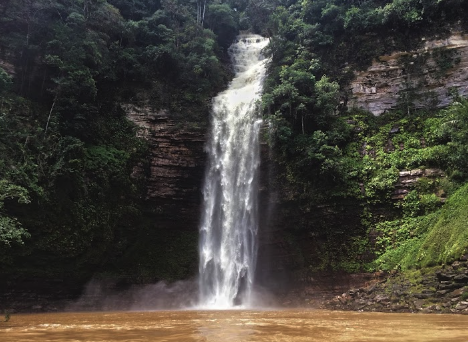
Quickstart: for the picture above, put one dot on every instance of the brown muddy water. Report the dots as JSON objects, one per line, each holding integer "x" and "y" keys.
{"x": 238, "y": 326}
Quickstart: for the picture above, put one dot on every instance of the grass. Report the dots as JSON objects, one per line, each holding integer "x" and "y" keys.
{"x": 442, "y": 238}
{"x": 448, "y": 238}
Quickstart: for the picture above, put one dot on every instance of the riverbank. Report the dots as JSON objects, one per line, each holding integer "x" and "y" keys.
{"x": 442, "y": 289}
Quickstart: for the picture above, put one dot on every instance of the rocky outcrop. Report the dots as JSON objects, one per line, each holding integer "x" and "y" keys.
{"x": 176, "y": 166}
{"x": 417, "y": 79}
{"x": 407, "y": 179}
{"x": 324, "y": 286}
{"x": 442, "y": 291}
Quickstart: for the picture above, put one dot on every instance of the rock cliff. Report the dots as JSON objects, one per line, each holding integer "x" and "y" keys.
{"x": 441, "y": 290}
{"x": 176, "y": 166}
{"x": 414, "y": 79}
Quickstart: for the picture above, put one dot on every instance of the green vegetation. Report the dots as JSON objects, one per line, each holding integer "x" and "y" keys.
{"x": 439, "y": 238}
{"x": 330, "y": 158}
{"x": 69, "y": 196}
{"x": 10, "y": 228}
{"x": 422, "y": 229}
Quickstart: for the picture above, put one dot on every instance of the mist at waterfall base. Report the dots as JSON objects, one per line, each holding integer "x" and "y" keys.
{"x": 109, "y": 295}
{"x": 229, "y": 222}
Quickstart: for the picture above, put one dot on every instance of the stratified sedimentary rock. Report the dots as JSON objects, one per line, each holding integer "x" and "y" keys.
{"x": 419, "y": 78}
{"x": 176, "y": 165}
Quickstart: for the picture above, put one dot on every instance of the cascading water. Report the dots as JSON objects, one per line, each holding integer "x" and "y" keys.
{"x": 228, "y": 232}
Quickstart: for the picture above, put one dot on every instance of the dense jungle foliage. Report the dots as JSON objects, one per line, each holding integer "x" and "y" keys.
{"x": 337, "y": 159}
{"x": 69, "y": 199}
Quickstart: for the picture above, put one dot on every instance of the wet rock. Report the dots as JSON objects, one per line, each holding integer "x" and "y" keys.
{"x": 434, "y": 173}
{"x": 418, "y": 304}
{"x": 416, "y": 172}
{"x": 421, "y": 295}
{"x": 363, "y": 302}
{"x": 456, "y": 293}
{"x": 428, "y": 291}
{"x": 381, "y": 298}
{"x": 461, "y": 278}
{"x": 441, "y": 293}
{"x": 343, "y": 300}
{"x": 444, "y": 276}
{"x": 400, "y": 293}
{"x": 395, "y": 294}
{"x": 398, "y": 307}
{"x": 450, "y": 286}
{"x": 370, "y": 289}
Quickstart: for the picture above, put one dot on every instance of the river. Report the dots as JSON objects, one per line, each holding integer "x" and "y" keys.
{"x": 235, "y": 325}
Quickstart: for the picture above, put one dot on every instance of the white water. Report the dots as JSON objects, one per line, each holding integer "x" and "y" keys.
{"x": 228, "y": 231}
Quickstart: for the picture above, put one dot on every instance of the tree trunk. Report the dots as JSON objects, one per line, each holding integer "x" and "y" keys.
{"x": 203, "y": 14}
{"x": 302, "y": 117}
{"x": 50, "y": 113}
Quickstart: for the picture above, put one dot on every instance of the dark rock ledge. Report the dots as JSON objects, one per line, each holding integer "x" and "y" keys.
{"x": 438, "y": 290}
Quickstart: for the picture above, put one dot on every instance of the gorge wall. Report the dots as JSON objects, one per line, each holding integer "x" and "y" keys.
{"x": 294, "y": 237}
{"x": 414, "y": 79}
{"x": 301, "y": 240}
{"x": 176, "y": 165}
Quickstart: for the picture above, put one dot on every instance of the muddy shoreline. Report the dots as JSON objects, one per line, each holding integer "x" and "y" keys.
{"x": 441, "y": 289}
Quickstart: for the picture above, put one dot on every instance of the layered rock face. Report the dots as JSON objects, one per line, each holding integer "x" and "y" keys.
{"x": 442, "y": 291}
{"x": 414, "y": 79}
{"x": 176, "y": 166}
{"x": 407, "y": 179}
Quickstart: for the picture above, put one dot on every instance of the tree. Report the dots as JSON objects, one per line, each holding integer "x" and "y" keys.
{"x": 5, "y": 80}
{"x": 455, "y": 131}
{"x": 201, "y": 10}
{"x": 222, "y": 20}
{"x": 296, "y": 93}
{"x": 326, "y": 97}
{"x": 10, "y": 229}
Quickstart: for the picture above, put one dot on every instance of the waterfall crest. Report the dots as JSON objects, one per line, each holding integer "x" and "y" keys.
{"x": 228, "y": 230}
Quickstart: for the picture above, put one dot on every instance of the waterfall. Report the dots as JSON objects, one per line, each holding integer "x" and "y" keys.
{"x": 228, "y": 230}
